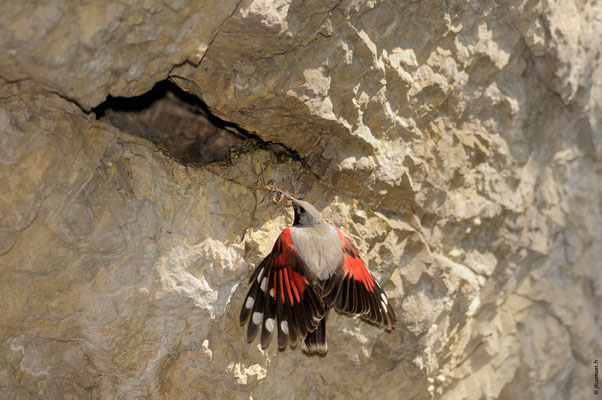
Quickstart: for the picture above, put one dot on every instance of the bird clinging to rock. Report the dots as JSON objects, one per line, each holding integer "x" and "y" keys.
{"x": 311, "y": 268}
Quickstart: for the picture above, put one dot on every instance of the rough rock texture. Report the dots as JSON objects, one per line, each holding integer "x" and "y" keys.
{"x": 458, "y": 143}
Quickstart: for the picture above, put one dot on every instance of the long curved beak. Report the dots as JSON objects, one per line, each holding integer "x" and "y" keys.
{"x": 285, "y": 194}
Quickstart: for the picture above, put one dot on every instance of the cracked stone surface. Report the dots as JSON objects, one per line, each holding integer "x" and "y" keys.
{"x": 457, "y": 143}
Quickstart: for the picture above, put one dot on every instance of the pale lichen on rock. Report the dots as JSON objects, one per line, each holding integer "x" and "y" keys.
{"x": 457, "y": 143}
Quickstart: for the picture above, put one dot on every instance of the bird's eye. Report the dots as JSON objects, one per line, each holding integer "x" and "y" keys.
{"x": 301, "y": 210}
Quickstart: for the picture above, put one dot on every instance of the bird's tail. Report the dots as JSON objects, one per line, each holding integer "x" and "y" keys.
{"x": 315, "y": 342}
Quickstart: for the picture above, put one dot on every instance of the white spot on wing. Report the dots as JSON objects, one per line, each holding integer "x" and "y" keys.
{"x": 384, "y": 305}
{"x": 269, "y": 324}
{"x": 382, "y": 295}
{"x": 284, "y": 327}
{"x": 257, "y": 317}
{"x": 264, "y": 283}
{"x": 249, "y": 303}
{"x": 272, "y": 292}
{"x": 260, "y": 275}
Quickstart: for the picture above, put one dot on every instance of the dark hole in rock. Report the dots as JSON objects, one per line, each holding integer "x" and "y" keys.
{"x": 178, "y": 122}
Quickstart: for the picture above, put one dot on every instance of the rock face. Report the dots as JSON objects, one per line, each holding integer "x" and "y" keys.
{"x": 457, "y": 143}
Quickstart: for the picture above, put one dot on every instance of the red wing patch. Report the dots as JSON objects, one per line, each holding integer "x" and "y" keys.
{"x": 359, "y": 292}
{"x": 281, "y": 298}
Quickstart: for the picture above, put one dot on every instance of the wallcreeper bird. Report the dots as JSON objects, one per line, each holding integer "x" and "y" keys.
{"x": 311, "y": 268}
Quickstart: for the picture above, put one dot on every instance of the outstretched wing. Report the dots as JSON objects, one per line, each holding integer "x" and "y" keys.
{"x": 359, "y": 292}
{"x": 281, "y": 297}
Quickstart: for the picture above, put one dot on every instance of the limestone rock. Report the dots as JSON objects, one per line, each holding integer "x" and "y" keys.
{"x": 458, "y": 144}
{"x": 86, "y": 51}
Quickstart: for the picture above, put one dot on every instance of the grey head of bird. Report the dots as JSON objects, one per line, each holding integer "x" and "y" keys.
{"x": 306, "y": 215}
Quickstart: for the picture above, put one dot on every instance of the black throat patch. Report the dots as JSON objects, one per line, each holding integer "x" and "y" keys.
{"x": 296, "y": 221}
